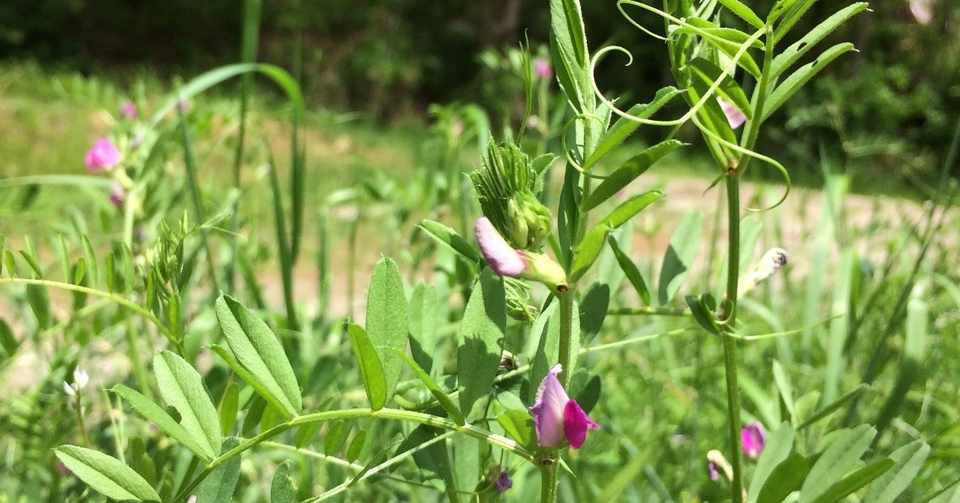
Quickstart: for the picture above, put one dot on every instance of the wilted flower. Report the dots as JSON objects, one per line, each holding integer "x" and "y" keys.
{"x": 717, "y": 464}
{"x": 772, "y": 261}
{"x": 541, "y": 67}
{"x": 557, "y": 418}
{"x": 128, "y": 110}
{"x": 102, "y": 156}
{"x": 80, "y": 381}
{"x": 922, "y": 10}
{"x": 735, "y": 116}
{"x": 117, "y": 194}
{"x": 753, "y": 438}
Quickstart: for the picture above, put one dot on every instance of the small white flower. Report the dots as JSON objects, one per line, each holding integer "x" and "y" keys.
{"x": 80, "y": 378}
{"x": 192, "y": 499}
{"x": 68, "y": 389}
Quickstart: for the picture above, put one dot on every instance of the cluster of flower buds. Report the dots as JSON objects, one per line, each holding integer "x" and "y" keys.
{"x": 515, "y": 225}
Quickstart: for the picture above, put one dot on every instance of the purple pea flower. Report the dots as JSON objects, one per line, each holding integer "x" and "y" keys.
{"x": 128, "y": 110}
{"x": 541, "y": 67}
{"x": 503, "y": 482}
{"x": 556, "y": 417}
{"x": 735, "y": 117}
{"x": 922, "y": 11}
{"x": 500, "y": 256}
{"x": 753, "y": 438}
{"x": 117, "y": 194}
{"x": 712, "y": 471}
{"x": 102, "y": 156}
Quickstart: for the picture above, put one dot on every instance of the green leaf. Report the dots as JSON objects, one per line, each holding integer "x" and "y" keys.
{"x": 683, "y": 249}
{"x": 221, "y": 483}
{"x": 481, "y": 330}
{"x": 849, "y": 484}
{"x": 624, "y": 127}
{"x": 450, "y": 239}
{"x": 630, "y": 270}
{"x": 776, "y": 452}
{"x": 628, "y": 172}
{"x": 568, "y": 49}
{"x": 7, "y": 340}
{"x": 425, "y": 320}
{"x": 40, "y": 305}
{"x": 519, "y": 426}
{"x": 727, "y": 40}
{"x": 743, "y": 12}
{"x": 909, "y": 461}
{"x": 182, "y": 388}
{"x": 106, "y": 475}
{"x": 281, "y": 488}
{"x": 387, "y": 320}
{"x": 167, "y": 424}
{"x": 371, "y": 371}
{"x": 782, "y": 381}
{"x": 829, "y": 409}
{"x": 840, "y": 456}
{"x": 442, "y": 397}
{"x": 799, "y": 78}
{"x": 785, "y": 479}
{"x": 791, "y": 14}
{"x": 589, "y": 248}
{"x": 792, "y": 54}
{"x": 229, "y": 406}
{"x": 729, "y": 90}
{"x": 258, "y": 351}
{"x": 702, "y": 313}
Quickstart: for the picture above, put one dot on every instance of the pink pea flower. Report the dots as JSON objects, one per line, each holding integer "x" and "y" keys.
{"x": 128, "y": 110}
{"x": 922, "y": 10}
{"x": 735, "y": 117}
{"x": 556, "y": 417}
{"x": 102, "y": 156}
{"x": 541, "y": 67}
{"x": 753, "y": 438}
{"x": 500, "y": 256}
{"x": 117, "y": 194}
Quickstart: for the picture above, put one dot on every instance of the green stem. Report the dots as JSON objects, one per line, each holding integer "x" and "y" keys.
{"x": 191, "y": 167}
{"x": 566, "y": 337}
{"x": 649, "y": 311}
{"x": 78, "y": 407}
{"x": 336, "y": 415}
{"x": 729, "y": 342}
{"x": 133, "y": 352}
{"x": 549, "y": 482}
{"x": 116, "y": 299}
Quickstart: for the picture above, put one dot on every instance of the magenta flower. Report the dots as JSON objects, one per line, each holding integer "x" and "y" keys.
{"x": 556, "y": 417}
{"x": 922, "y": 10}
{"x": 541, "y": 67}
{"x": 735, "y": 117}
{"x": 753, "y": 438}
{"x": 128, "y": 110}
{"x": 500, "y": 256}
{"x": 117, "y": 194}
{"x": 102, "y": 156}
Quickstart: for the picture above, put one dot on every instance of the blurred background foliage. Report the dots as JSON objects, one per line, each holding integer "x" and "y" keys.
{"x": 884, "y": 115}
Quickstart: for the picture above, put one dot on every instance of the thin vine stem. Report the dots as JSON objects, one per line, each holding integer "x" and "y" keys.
{"x": 116, "y": 299}
{"x": 335, "y": 415}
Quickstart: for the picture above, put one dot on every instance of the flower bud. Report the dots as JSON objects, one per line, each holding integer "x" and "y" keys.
{"x": 543, "y": 269}
{"x": 102, "y": 156}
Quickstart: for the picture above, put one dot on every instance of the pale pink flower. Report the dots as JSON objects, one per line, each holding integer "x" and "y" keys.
{"x": 541, "y": 67}
{"x": 500, "y": 256}
{"x": 128, "y": 110}
{"x": 922, "y": 10}
{"x": 735, "y": 117}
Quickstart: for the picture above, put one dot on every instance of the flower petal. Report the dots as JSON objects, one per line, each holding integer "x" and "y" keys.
{"x": 753, "y": 438}
{"x": 548, "y": 411}
{"x": 576, "y": 423}
{"x": 735, "y": 117}
{"x": 500, "y": 256}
